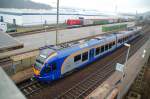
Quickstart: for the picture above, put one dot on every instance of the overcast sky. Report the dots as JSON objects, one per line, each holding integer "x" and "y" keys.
{"x": 127, "y": 6}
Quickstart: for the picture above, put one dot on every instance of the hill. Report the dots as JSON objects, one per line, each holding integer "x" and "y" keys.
{"x": 22, "y": 4}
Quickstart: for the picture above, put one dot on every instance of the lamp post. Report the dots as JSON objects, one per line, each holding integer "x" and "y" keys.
{"x": 57, "y": 22}
{"x": 127, "y": 45}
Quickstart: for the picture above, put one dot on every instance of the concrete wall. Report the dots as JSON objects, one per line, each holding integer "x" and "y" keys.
{"x": 20, "y": 62}
{"x": 23, "y": 61}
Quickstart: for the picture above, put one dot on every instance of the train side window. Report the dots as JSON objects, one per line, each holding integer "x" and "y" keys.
{"x": 113, "y": 43}
{"x": 110, "y": 45}
{"x": 119, "y": 41}
{"x": 106, "y": 47}
{"x": 102, "y": 49}
{"x": 53, "y": 66}
{"x": 77, "y": 58}
{"x": 47, "y": 69}
{"x": 97, "y": 50}
{"x": 84, "y": 56}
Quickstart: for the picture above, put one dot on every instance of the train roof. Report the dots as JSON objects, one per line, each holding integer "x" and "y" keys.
{"x": 84, "y": 43}
{"x": 80, "y": 43}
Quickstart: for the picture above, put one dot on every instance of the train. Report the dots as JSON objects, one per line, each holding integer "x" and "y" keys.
{"x": 57, "y": 61}
{"x": 86, "y": 22}
{"x": 7, "y": 27}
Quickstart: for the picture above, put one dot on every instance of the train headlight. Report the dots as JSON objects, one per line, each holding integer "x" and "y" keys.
{"x": 36, "y": 72}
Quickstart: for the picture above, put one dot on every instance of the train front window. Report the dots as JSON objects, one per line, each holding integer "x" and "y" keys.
{"x": 47, "y": 69}
{"x": 54, "y": 67}
{"x": 50, "y": 68}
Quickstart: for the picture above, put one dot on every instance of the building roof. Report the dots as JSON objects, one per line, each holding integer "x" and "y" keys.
{"x": 8, "y": 43}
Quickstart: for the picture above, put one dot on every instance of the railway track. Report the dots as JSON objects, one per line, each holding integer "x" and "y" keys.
{"x": 51, "y": 28}
{"x": 30, "y": 87}
{"x": 31, "y": 32}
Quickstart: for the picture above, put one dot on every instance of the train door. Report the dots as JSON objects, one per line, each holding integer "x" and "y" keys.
{"x": 91, "y": 54}
{"x": 51, "y": 70}
{"x": 54, "y": 70}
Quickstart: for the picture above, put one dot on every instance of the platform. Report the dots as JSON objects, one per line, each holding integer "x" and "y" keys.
{"x": 8, "y": 43}
{"x": 8, "y": 90}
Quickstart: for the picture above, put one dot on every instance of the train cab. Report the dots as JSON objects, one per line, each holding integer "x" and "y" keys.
{"x": 45, "y": 66}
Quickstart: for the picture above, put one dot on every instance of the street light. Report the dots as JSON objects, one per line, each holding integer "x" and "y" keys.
{"x": 125, "y": 64}
{"x": 127, "y": 45}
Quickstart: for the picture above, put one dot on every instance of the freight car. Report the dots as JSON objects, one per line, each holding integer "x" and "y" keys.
{"x": 86, "y": 22}
{"x": 73, "y": 22}
{"x": 54, "y": 62}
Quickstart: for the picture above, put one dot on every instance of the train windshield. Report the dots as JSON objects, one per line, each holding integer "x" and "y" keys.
{"x": 41, "y": 58}
{"x": 40, "y": 61}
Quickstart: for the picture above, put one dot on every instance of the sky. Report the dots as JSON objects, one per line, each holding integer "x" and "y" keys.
{"x": 124, "y": 6}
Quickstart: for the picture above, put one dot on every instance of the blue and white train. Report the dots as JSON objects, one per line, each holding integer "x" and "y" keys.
{"x": 54, "y": 62}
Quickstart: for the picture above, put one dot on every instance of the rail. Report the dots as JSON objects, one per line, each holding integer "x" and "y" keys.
{"x": 30, "y": 87}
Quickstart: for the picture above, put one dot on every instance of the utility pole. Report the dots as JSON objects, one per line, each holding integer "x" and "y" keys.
{"x": 129, "y": 46}
{"x": 57, "y": 25}
{"x": 116, "y": 6}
